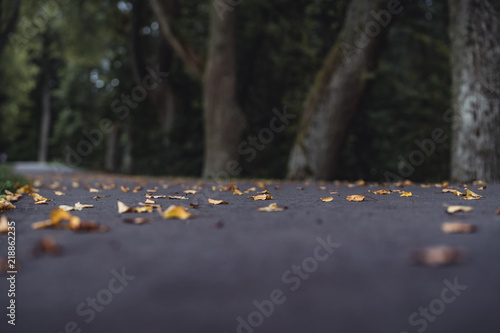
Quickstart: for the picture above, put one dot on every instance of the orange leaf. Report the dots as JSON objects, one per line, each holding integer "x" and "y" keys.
{"x": 356, "y": 198}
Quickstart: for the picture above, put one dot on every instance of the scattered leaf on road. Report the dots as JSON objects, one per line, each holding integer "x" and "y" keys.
{"x": 454, "y": 209}
{"x": 406, "y": 194}
{"x": 262, "y": 197}
{"x": 122, "y": 208}
{"x": 59, "y": 193}
{"x": 458, "y": 227}
{"x": 178, "y": 197}
{"x": 190, "y": 191}
{"x": 5, "y": 206}
{"x": 217, "y": 202}
{"x": 356, "y": 197}
{"x": 327, "y": 199}
{"x": 175, "y": 212}
{"x": 271, "y": 208}
{"x": 437, "y": 256}
{"x": 125, "y": 189}
{"x": 4, "y": 224}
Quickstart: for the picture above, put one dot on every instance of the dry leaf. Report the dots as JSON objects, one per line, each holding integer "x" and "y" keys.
{"x": 264, "y": 192}
{"x": 149, "y": 202}
{"x": 145, "y": 209}
{"x": 498, "y": 211}
{"x": 458, "y": 227}
{"x": 217, "y": 202}
{"x": 175, "y": 212}
{"x": 190, "y": 191}
{"x": 237, "y": 192}
{"x": 137, "y": 220}
{"x": 327, "y": 199}
{"x": 454, "y": 209}
{"x": 406, "y": 194}
{"x": 271, "y": 208}
{"x": 152, "y": 191}
{"x": 122, "y": 208}
{"x": 137, "y": 189}
{"x": 66, "y": 208}
{"x": 108, "y": 187}
{"x": 56, "y": 217}
{"x": 356, "y": 198}
{"x": 193, "y": 205}
{"x": 5, "y": 206}
{"x": 360, "y": 182}
{"x": 179, "y": 197}
{"x": 471, "y": 195}
{"x": 125, "y": 188}
{"x": 59, "y": 193}
{"x": 38, "y": 198}
{"x": 251, "y": 189}
{"x": 25, "y": 189}
{"x": 262, "y": 197}
{"x": 9, "y": 196}
{"x": 46, "y": 245}
{"x": 437, "y": 256}
{"x": 4, "y": 224}
{"x": 380, "y": 192}
{"x": 80, "y": 206}
{"x": 481, "y": 188}
{"x": 94, "y": 190}
{"x": 75, "y": 184}
{"x": 320, "y": 188}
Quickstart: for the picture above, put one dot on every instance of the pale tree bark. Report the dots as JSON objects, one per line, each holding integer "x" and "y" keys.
{"x": 339, "y": 86}
{"x": 475, "y": 61}
{"x": 224, "y": 121}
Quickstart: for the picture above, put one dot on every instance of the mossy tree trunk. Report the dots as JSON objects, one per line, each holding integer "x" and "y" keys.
{"x": 338, "y": 89}
{"x": 475, "y": 46}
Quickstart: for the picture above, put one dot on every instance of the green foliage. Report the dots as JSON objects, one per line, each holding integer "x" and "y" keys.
{"x": 10, "y": 181}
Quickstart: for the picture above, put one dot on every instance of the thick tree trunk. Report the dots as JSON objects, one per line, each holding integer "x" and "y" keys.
{"x": 43, "y": 141}
{"x": 224, "y": 121}
{"x": 475, "y": 46}
{"x": 337, "y": 91}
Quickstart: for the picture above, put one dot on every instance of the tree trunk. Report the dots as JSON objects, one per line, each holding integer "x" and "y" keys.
{"x": 224, "y": 121}
{"x": 337, "y": 91}
{"x": 111, "y": 149}
{"x": 43, "y": 143}
{"x": 475, "y": 48}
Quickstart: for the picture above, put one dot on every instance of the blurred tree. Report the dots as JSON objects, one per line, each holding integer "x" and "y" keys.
{"x": 334, "y": 98}
{"x": 475, "y": 50}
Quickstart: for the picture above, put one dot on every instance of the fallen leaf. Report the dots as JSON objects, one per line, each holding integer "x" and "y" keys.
{"x": 175, "y": 212}
{"x": 80, "y": 206}
{"x": 94, "y": 190}
{"x": 472, "y": 196}
{"x": 251, "y": 189}
{"x": 47, "y": 245}
{"x": 145, "y": 209}
{"x": 237, "y": 192}
{"x": 356, "y": 198}
{"x": 481, "y": 188}
{"x": 137, "y": 189}
{"x": 406, "y": 194}
{"x": 125, "y": 188}
{"x": 190, "y": 191}
{"x": 264, "y": 192}
{"x": 59, "y": 193}
{"x": 56, "y": 217}
{"x": 179, "y": 197}
{"x": 262, "y": 197}
{"x": 137, "y": 220}
{"x": 149, "y": 196}
{"x": 98, "y": 197}
{"x": 454, "y": 209}
{"x": 458, "y": 227}
{"x": 152, "y": 191}
{"x": 5, "y": 206}
{"x": 38, "y": 198}
{"x": 360, "y": 182}
{"x": 271, "y": 208}
{"x": 380, "y": 192}
{"x": 498, "y": 211}
{"x": 217, "y": 202}
{"x": 320, "y": 188}
{"x": 193, "y": 205}
{"x": 327, "y": 199}
{"x": 300, "y": 188}
{"x": 108, "y": 187}
{"x": 66, "y": 208}
{"x": 9, "y": 196}
{"x": 75, "y": 184}
{"x": 437, "y": 256}
{"x": 25, "y": 189}
{"x": 149, "y": 201}
{"x": 122, "y": 208}
{"x": 4, "y": 224}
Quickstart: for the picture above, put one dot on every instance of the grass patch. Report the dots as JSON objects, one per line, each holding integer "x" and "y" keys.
{"x": 9, "y": 180}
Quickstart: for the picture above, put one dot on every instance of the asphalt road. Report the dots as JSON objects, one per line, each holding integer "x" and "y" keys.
{"x": 317, "y": 266}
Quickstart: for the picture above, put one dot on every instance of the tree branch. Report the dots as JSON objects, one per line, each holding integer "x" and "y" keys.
{"x": 183, "y": 52}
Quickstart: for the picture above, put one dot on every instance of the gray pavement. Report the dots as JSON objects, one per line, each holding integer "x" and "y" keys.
{"x": 317, "y": 266}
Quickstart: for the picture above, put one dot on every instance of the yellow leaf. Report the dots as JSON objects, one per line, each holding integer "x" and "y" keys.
{"x": 145, "y": 209}
{"x": 237, "y": 192}
{"x": 125, "y": 188}
{"x": 177, "y": 197}
{"x": 122, "y": 208}
{"x": 356, "y": 198}
{"x": 271, "y": 208}
{"x": 217, "y": 202}
{"x": 190, "y": 191}
{"x": 327, "y": 199}
{"x": 37, "y": 197}
{"x": 262, "y": 197}
{"x": 406, "y": 194}
{"x": 175, "y": 212}
{"x": 59, "y": 193}
{"x": 471, "y": 195}
{"x": 454, "y": 209}
{"x": 251, "y": 189}
{"x": 5, "y": 206}
{"x": 9, "y": 196}
{"x": 457, "y": 227}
